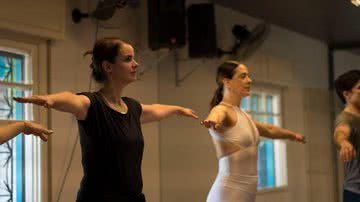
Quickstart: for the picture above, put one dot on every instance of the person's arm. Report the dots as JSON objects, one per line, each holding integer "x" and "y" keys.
{"x": 273, "y": 132}
{"x": 341, "y": 136}
{"x": 65, "y": 101}
{"x": 156, "y": 112}
{"x": 10, "y": 131}
{"x": 215, "y": 119}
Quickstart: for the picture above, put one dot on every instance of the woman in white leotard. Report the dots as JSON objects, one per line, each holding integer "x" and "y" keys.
{"x": 236, "y": 136}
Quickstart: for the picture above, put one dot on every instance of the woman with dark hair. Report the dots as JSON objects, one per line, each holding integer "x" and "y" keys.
{"x": 347, "y": 132}
{"x": 110, "y": 125}
{"x": 236, "y": 136}
{"x": 27, "y": 127}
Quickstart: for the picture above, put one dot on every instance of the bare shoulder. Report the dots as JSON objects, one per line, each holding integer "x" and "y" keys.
{"x": 231, "y": 117}
{"x": 85, "y": 101}
{"x": 82, "y": 107}
{"x": 219, "y": 109}
{"x": 228, "y": 113}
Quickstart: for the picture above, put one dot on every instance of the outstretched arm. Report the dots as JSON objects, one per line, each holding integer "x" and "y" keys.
{"x": 156, "y": 112}
{"x": 215, "y": 119}
{"x": 10, "y": 131}
{"x": 273, "y": 132}
{"x": 65, "y": 101}
{"x": 341, "y": 136}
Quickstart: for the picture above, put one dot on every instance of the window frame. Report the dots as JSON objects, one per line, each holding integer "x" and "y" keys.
{"x": 271, "y": 89}
{"x": 37, "y": 49}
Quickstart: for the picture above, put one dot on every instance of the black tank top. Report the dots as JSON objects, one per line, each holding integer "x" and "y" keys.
{"x": 112, "y": 147}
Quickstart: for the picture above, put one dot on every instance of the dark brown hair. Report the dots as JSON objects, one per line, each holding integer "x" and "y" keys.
{"x": 225, "y": 70}
{"x": 346, "y": 82}
{"x": 105, "y": 49}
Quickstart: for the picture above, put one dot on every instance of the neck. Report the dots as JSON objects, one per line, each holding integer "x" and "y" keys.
{"x": 112, "y": 95}
{"x": 231, "y": 100}
{"x": 352, "y": 109}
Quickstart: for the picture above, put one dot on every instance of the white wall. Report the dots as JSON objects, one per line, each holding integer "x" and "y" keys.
{"x": 345, "y": 61}
{"x": 28, "y": 17}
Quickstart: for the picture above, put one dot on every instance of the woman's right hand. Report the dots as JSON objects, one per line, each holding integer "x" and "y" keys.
{"x": 36, "y": 130}
{"x": 215, "y": 119}
{"x": 35, "y": 99}
{"x": 210, "y": 124}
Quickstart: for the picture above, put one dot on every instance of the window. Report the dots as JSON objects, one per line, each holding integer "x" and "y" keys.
{"x": 264, "y": 106}
{"x": 20, "y": 157}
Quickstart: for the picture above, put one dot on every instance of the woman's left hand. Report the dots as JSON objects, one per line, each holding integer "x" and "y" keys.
{"x": 187, "y": 112}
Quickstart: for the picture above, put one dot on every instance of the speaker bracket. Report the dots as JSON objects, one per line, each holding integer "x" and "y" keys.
{"x": 178, "y": 79}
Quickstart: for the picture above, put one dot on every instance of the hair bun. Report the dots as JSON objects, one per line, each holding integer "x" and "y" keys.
{"x": 88, "y": 52}
{"x": 93, "y": 66}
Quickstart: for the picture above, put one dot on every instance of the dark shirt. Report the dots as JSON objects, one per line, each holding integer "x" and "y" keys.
{"x": 112, "y": 147}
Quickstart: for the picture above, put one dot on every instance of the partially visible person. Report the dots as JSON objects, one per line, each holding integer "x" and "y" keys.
{"x": 347, "y": 132}
{"x": 12, "y": 130}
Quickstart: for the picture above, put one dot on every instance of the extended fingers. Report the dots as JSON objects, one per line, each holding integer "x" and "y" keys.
{"x": 44, "y": 134}
{"x": 347, "y": 153}
{"x": 190, "y": 113}
{"x": 210, "y": 124}
{"x": 32, "y": 99}
{"x": 21, "y": 99}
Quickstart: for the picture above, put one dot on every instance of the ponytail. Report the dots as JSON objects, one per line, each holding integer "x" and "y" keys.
{"x": 97, "y": 72}
{"x": 225, "y": 70}
{"x": 218, "y": 96}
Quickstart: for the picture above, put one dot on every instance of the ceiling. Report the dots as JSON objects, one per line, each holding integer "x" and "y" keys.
{"x": 331, "y": 21}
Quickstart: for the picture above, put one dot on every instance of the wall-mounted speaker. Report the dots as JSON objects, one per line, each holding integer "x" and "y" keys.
{"x": 166, "y": 23}
{"x": 201, "y": 30}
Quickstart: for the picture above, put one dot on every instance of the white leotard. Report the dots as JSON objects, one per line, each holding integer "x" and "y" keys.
{"x": 237, "y": 175}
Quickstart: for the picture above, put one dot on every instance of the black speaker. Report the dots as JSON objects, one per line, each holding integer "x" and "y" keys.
{"x": 201, "y": 30}
{"x": 166, "y": 23}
